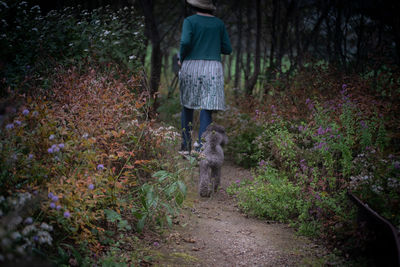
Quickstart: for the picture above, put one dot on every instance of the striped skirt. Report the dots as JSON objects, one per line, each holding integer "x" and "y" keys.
{"x": 202, "y": 84}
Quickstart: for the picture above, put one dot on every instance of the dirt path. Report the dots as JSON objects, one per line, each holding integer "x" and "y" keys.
{"x": 212, "y": 232}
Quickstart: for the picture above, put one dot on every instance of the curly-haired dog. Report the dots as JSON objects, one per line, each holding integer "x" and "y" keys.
{"x": 212, "y": 158}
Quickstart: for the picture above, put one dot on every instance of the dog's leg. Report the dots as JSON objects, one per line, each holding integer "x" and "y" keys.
{"x": 216, "y": 177}
{"x": 204, "y": 183}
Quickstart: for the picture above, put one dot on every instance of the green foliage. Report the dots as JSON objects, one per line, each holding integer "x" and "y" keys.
{"x": 242, "y": 146}
{"x": 270, "y": 196}
{"x": 169, "y": 110}
{"x": 159, "y": 201}
{"x": 306, "y": 165}
{"x": 31, "y": 42}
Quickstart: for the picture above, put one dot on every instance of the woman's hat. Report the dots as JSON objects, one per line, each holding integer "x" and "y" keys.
{"x": 203, "y": 4}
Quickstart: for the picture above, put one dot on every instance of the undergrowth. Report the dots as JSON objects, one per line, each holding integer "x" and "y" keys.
{"x": 309, "y": 149}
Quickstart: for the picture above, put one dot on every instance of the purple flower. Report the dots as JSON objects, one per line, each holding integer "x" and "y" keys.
{"x": 61, "y": 145}
{"x": 56, "y": 149}
{"x": 91, "y": 186}
{"x": 50, "y": 150}
{"x": 25, "y": 112}
{"x": 396, "y": 165}
{"x": 261, "y": 163}
{"x": 28, "y": 220}
{"x": 237, "y": 181}
{"x": 30, "y": 156}
{"x": 36, "y": 238}
{"x": 58, "y": 207}
{"x": 301, "y": 128}
{"x": 320, "y": 130}
{"x": 18, "y": 123}
{"x": 51, "y": 137}
{"x": 50, "y": 195}
{"x": 54, "y": 198}
{"x": 100, "y": 167}
{"x": 156, "y": 244}
{"x": 35, "y": 192}
{"x": 363, "y": 124}
{"x": 67, "y": 214}
{"x": 10, "y": 126}
{"x": 309, "y": 103}
{"x": 52, "y": 205}
{"x": 344, "y": 86}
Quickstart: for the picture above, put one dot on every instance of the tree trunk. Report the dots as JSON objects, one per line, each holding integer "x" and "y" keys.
{"x": 360, "y": 39}
{"x": 253, "y": 80}
{"x": 247, "y": 70}
{"x": 156, "y": 54}
{"x": 289, "y": 6}
{"x": 238, "y": 50}
{"x": 338, "y": 35}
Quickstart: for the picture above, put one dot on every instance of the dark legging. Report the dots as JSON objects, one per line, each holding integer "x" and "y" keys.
{"x": 187, "y": 125}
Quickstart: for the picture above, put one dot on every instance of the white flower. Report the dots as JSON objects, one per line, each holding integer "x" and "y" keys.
{"x": 28, "y": 229}
{"x": 20, "y": 250}
{"x": 46, "y": 227}
{"x": 44, "y": 237}
{"x": 4, "y": 4}
{"x": 15, "y": 235}
{"x": 106, "y": 33}
{"x": 132, "y": 57}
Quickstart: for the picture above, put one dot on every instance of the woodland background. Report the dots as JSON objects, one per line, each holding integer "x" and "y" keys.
{"x": 89, "y": 123}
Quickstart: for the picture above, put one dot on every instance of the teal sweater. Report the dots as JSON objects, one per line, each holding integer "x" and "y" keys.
{"x": 204, "y": 38}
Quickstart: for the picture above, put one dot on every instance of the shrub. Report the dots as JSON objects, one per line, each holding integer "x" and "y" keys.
{"x": 270, "y": 196}
{"x": 308, "y": 161}
{"x": 32, "y": 43}
{"x": 92, "y": 153}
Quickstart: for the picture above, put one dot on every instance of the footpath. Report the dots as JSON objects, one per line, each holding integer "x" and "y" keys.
{"x": 213, "y": 232}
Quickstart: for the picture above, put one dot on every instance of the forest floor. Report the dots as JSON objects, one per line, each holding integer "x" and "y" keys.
{"x": 213, "y": 232}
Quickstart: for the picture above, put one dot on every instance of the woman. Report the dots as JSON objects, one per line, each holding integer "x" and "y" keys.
{"x": 204, "y": 38}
